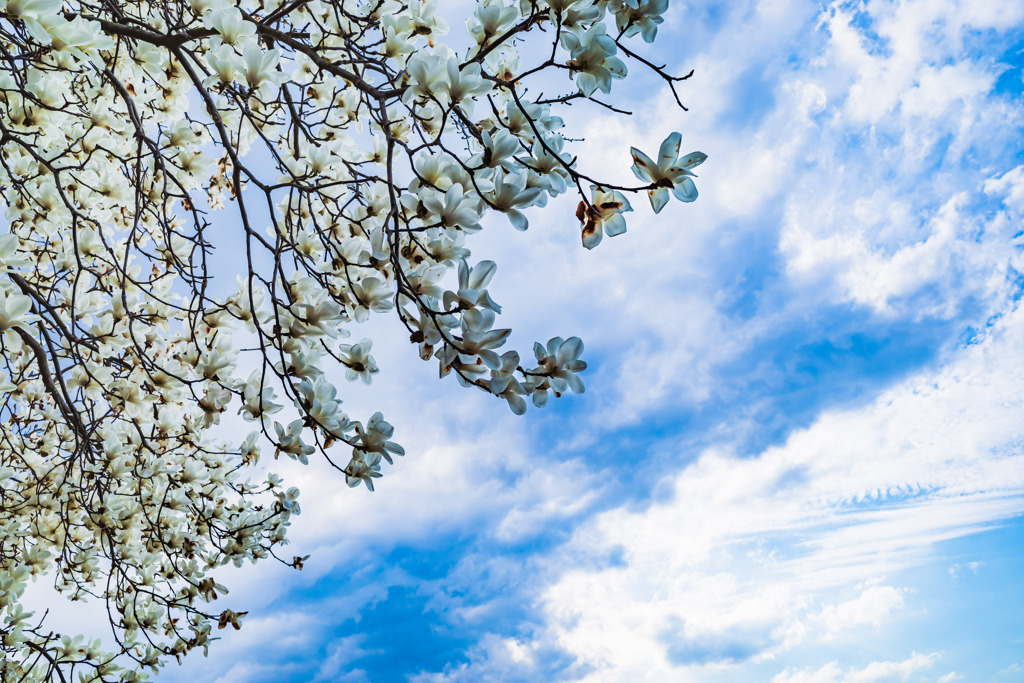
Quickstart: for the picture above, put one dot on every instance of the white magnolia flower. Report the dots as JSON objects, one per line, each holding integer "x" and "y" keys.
{"x": 317, "y": 319}
{"x": 225, "y": 64}
{"x": 9, "y": 257}
{"x": 432, "y": 170}
{"x": 593, "y": 59}
{"x": 374, "y": 438}
{"x": 572, "y": 12}
{"x": 261, "y": 66}
{"x": 6, "y": 387}
{"x": 511, "y": 194}
{"x": 552, "y": 164}
{"x": 490, "y": 20}
{"x": 250, "y": 449}
{"x": 319, "y": 398}
{"x": 523, "y": 121}
{"x": 289, "y": 441}
{"x": 425, "y": 280}
{"x": 213, "y": 361}
{"x": 426, "y": 20}
{"x": 39, "y": 16}
{"x": 472, "y": 292}
{"x": 427, "y": 327}
{"x": 362, "y": 469}
{"x": 602, "y": 215}
{"x": 558, "y": 364}
{"x": 498, "y": 150}
{"x": 479, "y": 340}
{"x": 668, "y": 173}
{"x": 80, "y": 37}
{"x": 232, "y": 28}
{"x": 503, "y": 383}
{"x": 427, "y": 73}
{"x": 14, "y": 310}
{"x": 214, "y": 402}
{"x": 453, "y": 209}
{"x": 372, "y": 295}
{"x": 639, "y": 16}
{"x": 359, "y": 364}
{"x": 395, "y": 46}
{"x": 462, "y": 85}
{"x": 257, "y": 398}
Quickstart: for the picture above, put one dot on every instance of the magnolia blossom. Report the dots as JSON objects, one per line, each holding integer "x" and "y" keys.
{"x": 231, "y": 27}
{"x": 558, "y": 363}
{"x": 490, "y": 20}
{"x": 593, "y": 59}
{"x": 464, "y": 84}
{"x": 504, "y": 384}
{"x": 359, "y": 364}
{"x": 289, "y": 440}
{"x": 453, "y": 209}
{"x": 260, "y": 66}
{"x": 510, "y": 194}
{"x": 668, "y": 173}
{"x": 639, "y": 16}
{"x": 472, "y": 292}
{"x": 603, "y": 214}
{"x": 226, "y": 65}
{"x": 14, "y": 310}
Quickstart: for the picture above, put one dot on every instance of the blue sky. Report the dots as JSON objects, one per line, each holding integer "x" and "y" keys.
{"x": 800, "y": 457}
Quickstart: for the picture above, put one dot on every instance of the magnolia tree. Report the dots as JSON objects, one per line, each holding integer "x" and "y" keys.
{"x": 357, "y": 152}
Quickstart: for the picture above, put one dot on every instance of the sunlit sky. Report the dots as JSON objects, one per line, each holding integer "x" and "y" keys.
{"x": 800, "y": 456}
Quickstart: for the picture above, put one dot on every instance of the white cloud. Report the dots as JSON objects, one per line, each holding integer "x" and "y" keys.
{"x": 508, "y": 658}
{"x": 887, "y": 213}
{"x": 872, "y": 606}
{"x": 875, "y": 672}
{"x": 340, "y": 655}
{"x": 904, "y": 56}
{"x": 860, "y": 494}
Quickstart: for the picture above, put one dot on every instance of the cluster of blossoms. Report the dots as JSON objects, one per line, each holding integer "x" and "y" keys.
{"x": 358, "y": 151}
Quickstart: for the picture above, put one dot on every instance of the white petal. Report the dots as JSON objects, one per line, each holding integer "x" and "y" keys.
{"x": 516, "y": 403}
{"x": 575, "y": 383}
{"x": 659, "y": 198}
{"x": 669, "y": 151}
{"x": 482, "y": 274}
{"x": 518, "y": 220}
{"x": 616, "y": 225}
{"x": 685, "y": 191}
{"x": 569, "y": 350}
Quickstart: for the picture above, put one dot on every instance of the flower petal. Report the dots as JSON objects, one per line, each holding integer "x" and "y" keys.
{"x": 517, "y": 219}
{"x": 516, "y": 403}
{"x": 569, "y": 350}
{"x": 685, "y": 191}
{"x": 592, "y": 234}
{"x": 659, "y": 198}
{"x": 616, "y": 225}
{"x": 669, "y": 151}
{"x": 692, "y": 160}
{"x": 643, "y": 167}
{"x": 482, "y": 274}
{"x": 574, "y": 382}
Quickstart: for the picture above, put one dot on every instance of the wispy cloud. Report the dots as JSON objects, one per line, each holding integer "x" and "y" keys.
{"x": 760, "y": 546}
{"x": 872, "y": 673}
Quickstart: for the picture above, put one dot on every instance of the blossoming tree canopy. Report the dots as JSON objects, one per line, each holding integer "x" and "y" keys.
{"x": 358, "y": 152}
